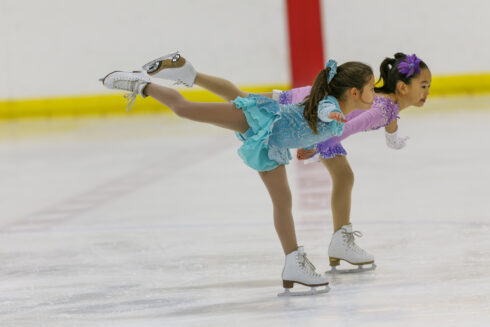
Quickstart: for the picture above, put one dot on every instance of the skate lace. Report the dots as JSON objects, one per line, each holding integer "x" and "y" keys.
{"x": 180, "y": 82}
{"x": 307, "y": 265}
{"x": 351, "y": 241}
{"x": 131, "y": 97}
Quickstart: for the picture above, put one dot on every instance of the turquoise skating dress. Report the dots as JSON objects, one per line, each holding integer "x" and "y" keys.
{"x": 276, "y": 128}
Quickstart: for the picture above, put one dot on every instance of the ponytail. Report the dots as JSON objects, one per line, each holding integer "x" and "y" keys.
{"x": 390, "y": 75}
{"x": 349, "y": 75}
{"x": 319, "y": 90}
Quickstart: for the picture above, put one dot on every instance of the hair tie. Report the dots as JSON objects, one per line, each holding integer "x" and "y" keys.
{"x": 409, "y": 66}
{"x": 332, "y": 64}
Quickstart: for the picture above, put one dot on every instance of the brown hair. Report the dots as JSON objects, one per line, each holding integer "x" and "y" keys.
{"x": 349, "y": 75}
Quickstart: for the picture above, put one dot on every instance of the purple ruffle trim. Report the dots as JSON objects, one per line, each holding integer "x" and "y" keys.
{"x": 390, "y": 109}
{"x": 327, "y": 152}
{"x": 285, "y": 97}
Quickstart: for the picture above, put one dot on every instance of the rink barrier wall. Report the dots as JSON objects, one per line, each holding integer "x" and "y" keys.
{"x": 114, "y": 104}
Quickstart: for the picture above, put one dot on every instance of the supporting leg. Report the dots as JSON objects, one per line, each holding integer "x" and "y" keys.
{"x": 276, "y": 183}
{"x": 342, "y": 184}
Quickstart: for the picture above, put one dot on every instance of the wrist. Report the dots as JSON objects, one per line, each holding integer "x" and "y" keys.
{"x": 392, "y": 134}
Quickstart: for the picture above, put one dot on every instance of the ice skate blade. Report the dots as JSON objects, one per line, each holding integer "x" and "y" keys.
{"x": 359, "y": 269}
{"x": 153, "y": 65}
{"x": 312, "y": 291}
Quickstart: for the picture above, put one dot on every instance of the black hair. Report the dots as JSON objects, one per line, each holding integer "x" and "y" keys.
{"x": 390, "y": 75}
{"x": 349, "y": 75}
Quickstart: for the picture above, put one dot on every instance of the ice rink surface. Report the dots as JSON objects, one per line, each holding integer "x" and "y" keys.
{"x": 155, "y": 221}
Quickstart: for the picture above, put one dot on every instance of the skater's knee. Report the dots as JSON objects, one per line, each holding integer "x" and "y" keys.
{"x": 344, "y": 177}
{"x": 283, "y": 204}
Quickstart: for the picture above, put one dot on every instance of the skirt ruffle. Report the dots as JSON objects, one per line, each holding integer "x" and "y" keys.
{"x": 261, "y": 113}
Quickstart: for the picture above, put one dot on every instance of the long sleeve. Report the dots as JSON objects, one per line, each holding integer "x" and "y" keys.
{"x": 292, "y": 96}
{"x": 367, "y": 120}
{"x": 382, "y": 112}
{"x": 324, "y": 109}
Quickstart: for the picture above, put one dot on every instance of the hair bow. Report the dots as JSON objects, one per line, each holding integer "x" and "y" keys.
{"x": 332, "y": 64}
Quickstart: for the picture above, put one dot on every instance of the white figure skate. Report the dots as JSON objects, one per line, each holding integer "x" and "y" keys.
{"x": 298, "y": 269}
{"x": 343, "y": 247}
{"x": 172, "y": 67}
{"x": 133, "y": 82}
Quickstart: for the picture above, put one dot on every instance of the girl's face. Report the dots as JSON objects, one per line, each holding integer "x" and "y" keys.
{"x": 367, "y": 95}
{"x": 418, "y": 89}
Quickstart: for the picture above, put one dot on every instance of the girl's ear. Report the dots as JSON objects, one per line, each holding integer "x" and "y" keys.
{"x": 354, "y": 93}
{"x": 401, "y": 87}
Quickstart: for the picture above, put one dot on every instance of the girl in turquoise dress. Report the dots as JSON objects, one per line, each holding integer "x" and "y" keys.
{"x": 268, "y": 130}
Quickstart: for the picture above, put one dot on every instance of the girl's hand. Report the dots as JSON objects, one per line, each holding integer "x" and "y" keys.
{"x": 394, "y": 141}
{"x": 335, "y": 115}
{"x": 303, "y": 154}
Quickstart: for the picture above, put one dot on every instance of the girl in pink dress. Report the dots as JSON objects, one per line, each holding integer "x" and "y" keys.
{"x": 406, "y": 82}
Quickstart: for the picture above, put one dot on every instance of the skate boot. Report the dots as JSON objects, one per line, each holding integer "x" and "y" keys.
{"x": 172, "y": 67}
{"x": 343, "y": 247}
{"x": 133, "y": 82}
{"x": 298, "y": 269}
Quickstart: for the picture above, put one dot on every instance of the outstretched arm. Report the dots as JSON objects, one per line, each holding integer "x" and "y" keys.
{"x": 365, "y": 121}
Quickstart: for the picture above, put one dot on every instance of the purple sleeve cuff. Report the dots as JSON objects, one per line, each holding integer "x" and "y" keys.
{"x": 327, "y": 152}
{"x": 294, "y": 95}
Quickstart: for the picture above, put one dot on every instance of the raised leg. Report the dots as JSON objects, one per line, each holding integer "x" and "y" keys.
{"x": 176, "y": 68}
{"x": 219, "y": 86}
{"x": 221, "y": 114}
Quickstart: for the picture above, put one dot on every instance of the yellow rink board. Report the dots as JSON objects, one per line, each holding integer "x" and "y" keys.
{"x": 111, "y": 104}
{"x": 445, "y": 87}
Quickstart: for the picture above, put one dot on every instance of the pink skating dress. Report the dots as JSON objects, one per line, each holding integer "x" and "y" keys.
{"x": 382, "y": 112}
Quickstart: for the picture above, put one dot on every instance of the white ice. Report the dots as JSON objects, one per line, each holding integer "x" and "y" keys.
{"x": 154, "y": 221}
